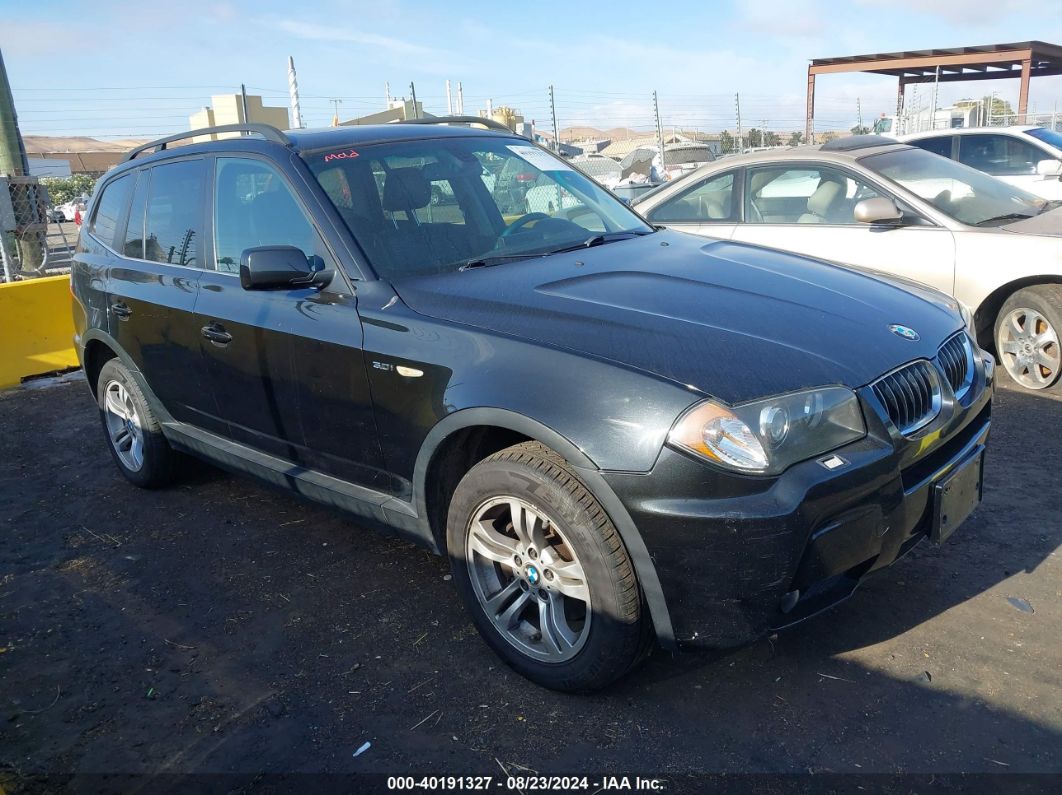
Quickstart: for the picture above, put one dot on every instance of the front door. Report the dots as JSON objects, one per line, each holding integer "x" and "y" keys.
{"x": 808, "y": 209}
{"x": 286, "y": 365}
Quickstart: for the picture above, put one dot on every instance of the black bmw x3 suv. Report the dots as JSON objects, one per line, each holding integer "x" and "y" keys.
{"x": 619, "y": 435}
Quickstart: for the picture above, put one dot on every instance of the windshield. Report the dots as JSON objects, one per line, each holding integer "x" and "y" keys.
{"x": 443, "y": 204}
{"x": 958, "y": 191}
{"x": 1049, "y": 137}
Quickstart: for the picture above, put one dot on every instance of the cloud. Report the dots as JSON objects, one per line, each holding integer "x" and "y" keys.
{"x": 974, "y": 13}
{"x": 800, "y": 19}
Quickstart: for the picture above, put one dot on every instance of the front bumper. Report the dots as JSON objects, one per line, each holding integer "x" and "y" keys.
{"x": 737, "y": 555}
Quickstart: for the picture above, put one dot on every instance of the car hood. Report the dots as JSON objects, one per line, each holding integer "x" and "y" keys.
{"x": 732, "y": 320}
{"x": 1049, "y": 223}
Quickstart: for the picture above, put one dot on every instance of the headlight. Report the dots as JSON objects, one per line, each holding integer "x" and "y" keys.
{"x": 770, "y": 435}
{"x": 967, "y": 318}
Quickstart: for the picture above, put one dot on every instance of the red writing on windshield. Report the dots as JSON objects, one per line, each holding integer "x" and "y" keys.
{"x": 340, "y": 155}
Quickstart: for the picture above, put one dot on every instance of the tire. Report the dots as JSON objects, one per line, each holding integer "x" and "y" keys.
{"x": 133, "y": 433}
{"x": 525, "y": 591}
{"x": 1027, "y": 336}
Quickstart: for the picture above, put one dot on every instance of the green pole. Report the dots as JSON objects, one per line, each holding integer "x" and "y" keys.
{"x": 13, "y": 163}
{"x": 12, "y": 151}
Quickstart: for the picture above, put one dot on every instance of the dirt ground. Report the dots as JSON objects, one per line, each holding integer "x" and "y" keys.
{"x": 221, "y": 627}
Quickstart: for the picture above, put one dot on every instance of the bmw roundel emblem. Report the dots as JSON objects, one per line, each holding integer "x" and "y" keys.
{"x": 905, "y": 332}
{"x": 532, "y": 575}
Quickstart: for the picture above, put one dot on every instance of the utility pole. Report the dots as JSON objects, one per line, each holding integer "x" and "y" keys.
{"x": 449, "y": 100}
{"x": 293, "y": 95}
{"x": 659, "y": 136}
{"x": 737, "y": 108}
{"x": 859, "y": 114}
{"x": 335, "y": 115}
{"x": 243, "y": 103}
{"x": 387, "y": 93}
{"x": 460, "y": 99}
{"x": 553, "y": 111}
{"x": 413, "y": 93}
{"x": 936, "y": 90}
{"x": 13, "y": 163}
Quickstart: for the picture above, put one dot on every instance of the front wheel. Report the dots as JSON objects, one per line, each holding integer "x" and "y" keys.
{"x": 1027, "y": 330}
{"x": 543, "y": 571}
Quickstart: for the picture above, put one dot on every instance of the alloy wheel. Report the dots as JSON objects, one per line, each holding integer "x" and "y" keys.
{"x": 123, "y": 426}
{"x": 1029, "y": 349}
{"x": 528, "y": 579}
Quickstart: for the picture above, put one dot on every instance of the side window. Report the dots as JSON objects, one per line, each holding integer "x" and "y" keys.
{"x": 109, "y": 209}
{"x": 999, "y": 155}
{"x": 939, "y": 146}
{"x": 803, "y": 195}
{"x": 174, "y": 213}
{"x": 134, "y": 228}
{"x": 254, "y": 206}
{"x": 712, "y": 200}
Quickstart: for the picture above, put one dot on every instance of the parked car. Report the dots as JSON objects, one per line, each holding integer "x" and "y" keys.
{"x": 68, "y": 210}
{"x": 871, "y": 202}
{"x": 615, "y": 433}
{"x": 1025, "y": 156}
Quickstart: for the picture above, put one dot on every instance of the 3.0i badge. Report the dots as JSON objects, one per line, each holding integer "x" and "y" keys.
{"x": 906, "y": 332}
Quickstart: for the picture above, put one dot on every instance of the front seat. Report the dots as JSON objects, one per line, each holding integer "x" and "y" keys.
{"x": 822, "y": 203}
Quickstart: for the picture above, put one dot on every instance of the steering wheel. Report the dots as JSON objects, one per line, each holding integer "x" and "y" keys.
{"x": 521, "y": 222}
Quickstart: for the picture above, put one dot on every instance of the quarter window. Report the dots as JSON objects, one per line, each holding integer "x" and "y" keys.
{"x": 712, "y": 200}
{"x": 109, "y": 209}
{"x": 134, "y": 228}
{"x": 174, "y": 213}
{"x": 938, "y": 146}
{"x": 803, "y": 195}
{"x": 999, "y": 155}
{"x": 254, "y": 206}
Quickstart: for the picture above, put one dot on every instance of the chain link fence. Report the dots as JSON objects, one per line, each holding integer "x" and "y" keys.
{"x": 34, "y": 242}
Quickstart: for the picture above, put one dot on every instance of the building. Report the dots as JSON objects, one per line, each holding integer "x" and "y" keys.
{"x": 228, "y": 109}
{"x": 398, "y": 110}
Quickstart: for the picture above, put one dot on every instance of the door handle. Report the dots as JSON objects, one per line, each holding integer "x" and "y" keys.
{"x": 216, "y": 334}
{"x": 121, "y": 311}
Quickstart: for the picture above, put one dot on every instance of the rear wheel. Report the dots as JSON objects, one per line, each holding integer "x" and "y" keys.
{"x": 133, "y": 433}
{"x": 543, "y": 571}
{"x": 1027, "y": 336}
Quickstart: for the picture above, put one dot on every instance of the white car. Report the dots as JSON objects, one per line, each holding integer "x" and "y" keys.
{"x": 871, "y": 202}
{"x": 69, "y": 209}
{"x": 1027, "y": 157}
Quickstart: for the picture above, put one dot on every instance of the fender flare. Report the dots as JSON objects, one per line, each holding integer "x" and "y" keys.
{"x": 588, "y": 472}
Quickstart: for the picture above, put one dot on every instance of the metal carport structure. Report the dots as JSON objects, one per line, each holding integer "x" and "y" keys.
{"x": 1025, "y": 60}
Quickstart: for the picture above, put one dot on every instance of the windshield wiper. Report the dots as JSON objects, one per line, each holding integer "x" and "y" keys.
{"x": 1007, "y": 217}
{"x": 498, "y": 259}
{"x": 607, "y": 237}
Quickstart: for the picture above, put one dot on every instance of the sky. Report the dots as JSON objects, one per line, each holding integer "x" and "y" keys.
{"x": 122, "y": 69}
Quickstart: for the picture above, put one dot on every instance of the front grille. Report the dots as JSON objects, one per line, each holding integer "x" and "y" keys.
{"x": 911, "y": 395}
{"x": 955, "y": 359}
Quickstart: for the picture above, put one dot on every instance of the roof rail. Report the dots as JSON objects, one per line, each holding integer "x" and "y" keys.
{"x": 267, "y": 131}
{"x": 491, "y": 123}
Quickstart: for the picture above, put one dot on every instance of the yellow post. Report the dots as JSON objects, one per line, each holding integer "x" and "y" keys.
{"x": 36, "y": 329}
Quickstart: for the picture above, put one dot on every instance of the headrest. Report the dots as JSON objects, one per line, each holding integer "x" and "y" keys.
{"x": 406, "y": 189}
{"x": 822, "y": 200}
{"x": 760, "y": 179}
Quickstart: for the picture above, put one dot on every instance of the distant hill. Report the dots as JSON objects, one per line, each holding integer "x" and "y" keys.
{"x": 615, "y": 134}
{"x": 47, "y": 144}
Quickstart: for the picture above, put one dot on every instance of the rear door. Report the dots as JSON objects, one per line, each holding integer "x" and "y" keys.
{"x": 152, "y": 277}
{"x": 1004, "y": 157}
{"x": 286, "y": 365}
{"x": 809, "y": 209}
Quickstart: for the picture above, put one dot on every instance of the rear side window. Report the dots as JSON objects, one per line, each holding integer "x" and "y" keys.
{"x": 938, "y": 146}
{"x": 174, "y": 213}
{"x": 134, "y": 228}
{"x": 109, "y": 209}
{"x": 712, "y": 200}
{"x": 999, "y": 155}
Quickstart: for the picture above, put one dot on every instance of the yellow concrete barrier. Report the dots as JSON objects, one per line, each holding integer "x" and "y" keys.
{"x": 36, "y": 328}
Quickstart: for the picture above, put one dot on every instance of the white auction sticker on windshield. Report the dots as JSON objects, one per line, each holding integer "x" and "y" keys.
{"x": 543, "y": 161}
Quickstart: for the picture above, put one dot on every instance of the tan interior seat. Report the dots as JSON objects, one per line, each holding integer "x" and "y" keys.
{"x": 822, "y": 203}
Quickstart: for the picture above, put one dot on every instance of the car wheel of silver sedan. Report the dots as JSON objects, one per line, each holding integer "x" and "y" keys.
{"x": 543, "y": 572}
{"x": 1027, "y": 336}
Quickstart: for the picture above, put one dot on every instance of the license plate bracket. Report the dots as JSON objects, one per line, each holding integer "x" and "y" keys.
{"x": 956, "y": 496}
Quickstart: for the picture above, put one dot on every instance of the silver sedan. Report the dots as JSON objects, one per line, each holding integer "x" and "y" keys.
{"x": 875, "y": 204}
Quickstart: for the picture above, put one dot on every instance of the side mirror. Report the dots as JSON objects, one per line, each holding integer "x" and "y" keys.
{"x": 878, "y": 210}
{"x": 281, "y": 267}
{"x": 1049, "y": 168}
